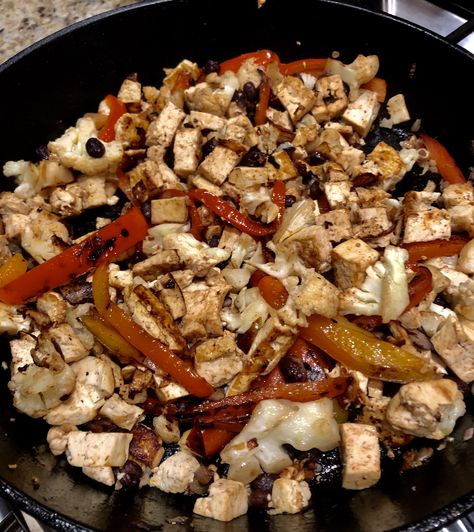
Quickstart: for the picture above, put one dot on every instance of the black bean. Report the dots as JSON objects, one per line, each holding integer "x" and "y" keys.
{"x": 293, "y": 369}
{"x": 253, "y": 157}
{"x": 315, "y": 190}
{"x": 214, "y": 241}
{"x": 289, "y": 200}
{"x": 211, "y": 66}
{"x": 42, "y": 153}
{"x": 316, "y": 158}
{"x": 264, "y": 482}
{"x": 209, "y": 146}
{"x": 95, "y": 148}
{"x": 258, "y": 499}
{"x": 130, "y": 474}
{"x": 170, "y": 284}
{"x": 146, "y": 210}
{"x": 250, "y": 91}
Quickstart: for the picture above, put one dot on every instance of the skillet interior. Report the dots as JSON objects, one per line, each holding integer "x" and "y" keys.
{"x": 46, "y": 89}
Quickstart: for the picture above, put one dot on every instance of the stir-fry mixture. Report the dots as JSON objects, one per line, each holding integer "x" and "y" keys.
{"x": 214, "y": 285}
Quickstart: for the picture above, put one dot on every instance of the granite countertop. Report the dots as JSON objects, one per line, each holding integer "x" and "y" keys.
{"x": 24, "y": 22}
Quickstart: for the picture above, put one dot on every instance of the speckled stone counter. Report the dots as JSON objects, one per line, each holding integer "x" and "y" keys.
{"x": 23, "y": 22}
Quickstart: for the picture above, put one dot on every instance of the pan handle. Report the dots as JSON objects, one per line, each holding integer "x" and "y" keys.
{"x": 456, "y": 36}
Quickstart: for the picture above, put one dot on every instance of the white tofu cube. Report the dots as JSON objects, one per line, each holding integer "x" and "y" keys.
{"x": 350, "y": 261}
{"x": 187, "y": 151}
{"x": 217, "y": 166}
{"x": 169, "y": 210}
{"x": 361, "y": 113}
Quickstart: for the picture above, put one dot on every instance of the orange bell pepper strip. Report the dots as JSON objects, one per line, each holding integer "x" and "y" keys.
{"x": 214, "y": 440}
{"x": 102, "y": 246}
{"x": 232, "y": 215}
{"x": 377, "y": 85}
{"x": 362, "y": 351}
{"x": 261, "y": 57}
{"x": 294, "y": 391}
{"x": 12, "y": 268}
{"x": 111, "y": 339}
{"x": 273, "y": 291}
{"x": 311, "y": 66}
{"x": 435, "y": 248}
{"x": 116, "y": 110}
{"x": 447, "y": 167}
{"x": 420, "y": 286}
{"x": 141, "y": 340}
{"x": 263, "y": 100}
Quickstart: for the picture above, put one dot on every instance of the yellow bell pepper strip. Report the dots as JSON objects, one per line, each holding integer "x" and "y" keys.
{"x": 435, "y": 248}
{"x": 232, "y": 215}
{"x": 105, "y": 244}
{"x": 261, "y": 57}
{"x": 111, "y": 339}
{"x": 12, "y": 268}
{"x": 140, "y": 339}
{"x": 447, "y": 166}
{"x": 116, "y": 110}
{"x": 362, "y": 351}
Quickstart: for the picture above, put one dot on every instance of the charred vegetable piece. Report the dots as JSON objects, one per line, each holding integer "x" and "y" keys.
{"x": 447, "y": 166}
{"x": 362, "y": 351}
{"x": 105, "y": 244}
{"x": 261, "y": 57}
{"x": 143, "y": 341}
{"x": 117, "y": 109}
{"x": 435, "y": 248}
{"x": 12, "y": 268}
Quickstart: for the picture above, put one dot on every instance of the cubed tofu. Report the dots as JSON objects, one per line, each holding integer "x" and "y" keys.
{"x": 397, "y": 109}
{"x": 427, "y": 409}
{"x": 455, "y": 348}
{"x": 104, "y": 475}
{"x": 280, "y": 119}
{"x": 462, "y": 219}
{"x": 201, "y": 182}
{"x": 186, "y": 151}
{"x": 360, "y": 456}
{"x": 130, "y": 91}
{"x": 91, "y": 449}
{"x": 121, "y": 413}
{"x": 337, "y": 193}
{"x": 67, "y": 342}
{"x": 289, "y": 496}
{"x": 217, "y": 166}
{"x": 458, "y": 194}
{"x": 361, "y": 113}
{"x": 350, "y": 261}
{"x": 316, "y": 295}
{"x": 373, "y": 221}
{"x": 168, "y": 391}
{"x": 175, "y": 474}
{"x": 295, "y": 97}
{"x": 163, "y": 261}
{"x": 203, "y": 120}
{"x": 53, "y": 305}
{"x": 218, "y": 360}
{"x": 337, "y": 224}
{"x": 245, "y": 177}
{"x": 312, "y": 245}
{"x": 169, "y": 210}
{"x": 331, "y": 100}
{"x": 388, "y": 164}
{"x": 427, "y": 225}
{"x": 227, "y": 500}
{"x": 162, "y": 129}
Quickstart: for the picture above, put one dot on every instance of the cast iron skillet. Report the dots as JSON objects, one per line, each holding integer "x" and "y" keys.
{"x": 46, "y": 88}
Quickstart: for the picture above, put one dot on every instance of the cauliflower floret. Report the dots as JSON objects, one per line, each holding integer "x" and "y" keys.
{"x": 300, "y": 215}
{"x": 248, "y": 307}
{"x": 11, "y": 321}
{"x": 121, "y": 413}
{"x": 384, "y": 291}
{"x": 175, "y": 474}
{"x": 466, "y": 258}
{"x": 57, "y": 438}
{"x": 426, "y": 409}
{"x": 71, "y": 149}
{"x": 289, "y": 496}
{"x": 31, "y": 178}
{"x": 360, "y": 71}
{"x": 276, "y": 422}
{"x": 214, "y": 95}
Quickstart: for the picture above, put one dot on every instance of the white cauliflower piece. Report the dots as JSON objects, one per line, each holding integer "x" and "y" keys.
{"x": 11, "y": 321}
{"x": 289, "y": 496}
{"x": 175, "y": 474}
{"x": 259, "y": 203}
{"x": 31, "y": 178}
{"x": 300, "y": 215}
{"x": 276, "y": 422}
{"x": 248, "y": 307}
{"x": 466, "y": 258}
{"x": 71, "y": 149}
{"x": 355, "y": 74}
{"x": 384, "y": 291}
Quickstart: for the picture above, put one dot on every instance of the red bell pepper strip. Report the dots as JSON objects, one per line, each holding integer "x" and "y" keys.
{"x": 360, "y": 350}
{"x": 116, "y": 110}
{"x": 140, "y": 339}
{"x": 419, "y": 286}
{"x": 261, "y": 57}
{"x": 279, "y": 198}
{"x": 294, "y": 391}
{"x": 435, "y": 248}
{"x": 447, "y": 167}
{"x": 12, "y": 268}
{"x": 273, "y": 291}
{"x": 214, "y": 440}
{"x": 311, "y": 66}
{"x": 234, "y": 217}
{"x": 102, "y": 246}
{"x": 377, "y": 85}
{"x": 263, "y": 100}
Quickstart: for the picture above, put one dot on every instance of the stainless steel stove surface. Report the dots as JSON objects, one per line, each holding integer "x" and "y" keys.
{"x": 453, "y": 20}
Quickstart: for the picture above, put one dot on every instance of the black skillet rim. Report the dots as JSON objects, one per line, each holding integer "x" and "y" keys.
{"x": 436, "y": 520}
